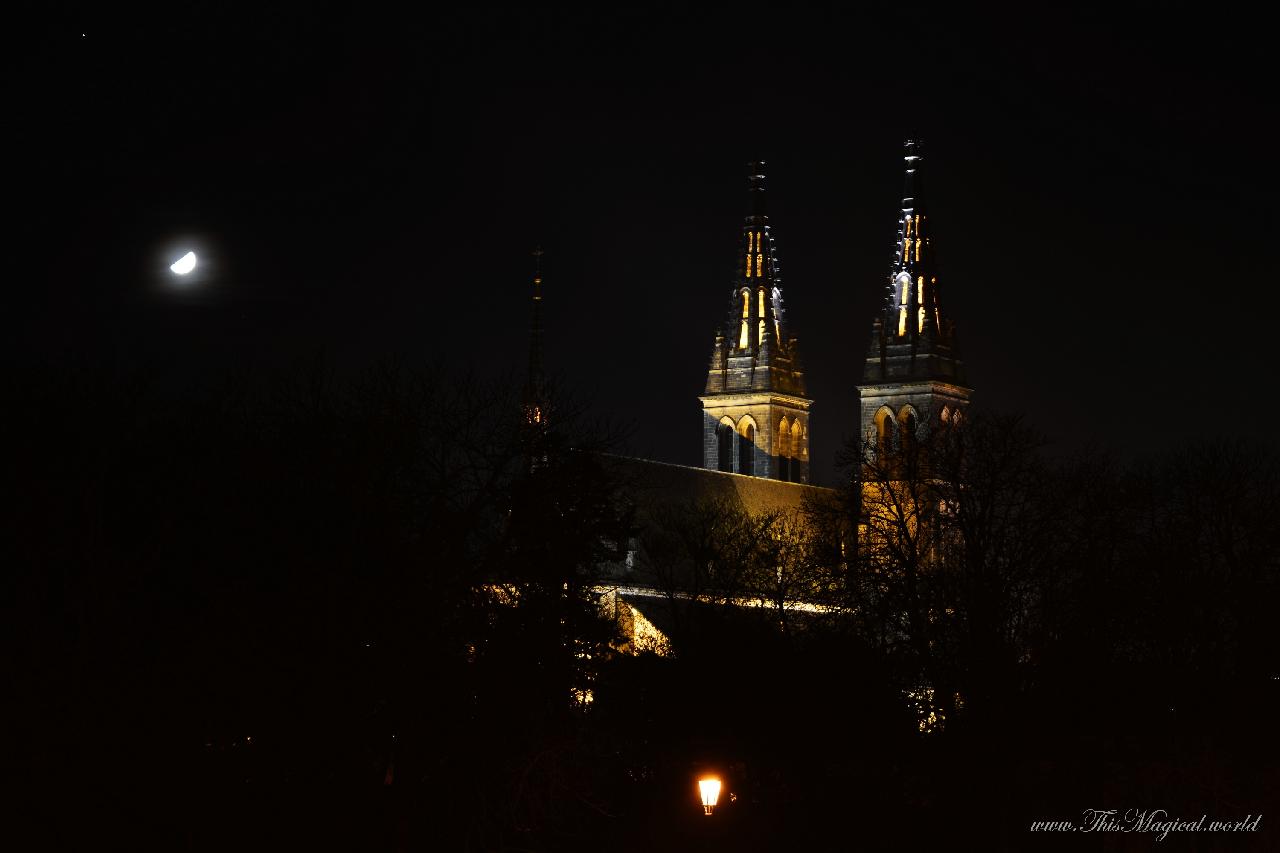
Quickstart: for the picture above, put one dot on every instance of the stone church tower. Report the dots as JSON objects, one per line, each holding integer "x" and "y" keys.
{"x": 913, "y": 375}
{"x": 755, "y": 415}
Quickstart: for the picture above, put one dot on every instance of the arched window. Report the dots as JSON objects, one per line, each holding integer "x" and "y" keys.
{"x": 784, "y": 450}
{"x": 908, "y": 438}
{"x": 797, "y": 450}
{"x": 886, "y": 433}
{"x": 746, "y": 447}
{"x": 724, "y": 446}
{"x": 946, "y": 415}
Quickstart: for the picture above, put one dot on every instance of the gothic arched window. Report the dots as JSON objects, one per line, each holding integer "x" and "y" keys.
{"x": 886, "y": 433}
{"x": 724, "y": 446}
{"x": 908, "y": 438}
{"x": 746, "y": 447}
{"x": 784, "y": 450}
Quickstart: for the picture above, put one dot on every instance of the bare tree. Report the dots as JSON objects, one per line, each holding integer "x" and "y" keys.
{"x": 953, "y": 540}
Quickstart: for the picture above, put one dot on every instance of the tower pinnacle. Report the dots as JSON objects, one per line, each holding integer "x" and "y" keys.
{"x": 755, "y": 193}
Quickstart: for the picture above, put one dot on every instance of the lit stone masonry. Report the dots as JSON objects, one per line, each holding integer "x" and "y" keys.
{"x": 755, "y": 413}
{"x": 913, "y": 375}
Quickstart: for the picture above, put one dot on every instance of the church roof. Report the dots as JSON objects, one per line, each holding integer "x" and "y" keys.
{"x": 654, "y": 484}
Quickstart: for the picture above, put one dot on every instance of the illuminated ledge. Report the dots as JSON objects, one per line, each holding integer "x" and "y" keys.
{"x": 748, "y": 398}
{"x": 649, "y": 592}
{"x": 889, "y": 388}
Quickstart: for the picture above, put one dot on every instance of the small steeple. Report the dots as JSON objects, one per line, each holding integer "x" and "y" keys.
{"x": 535, "y": 390}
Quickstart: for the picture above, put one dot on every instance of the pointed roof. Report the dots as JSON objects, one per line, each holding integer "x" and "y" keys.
{"x": 913, "y": 338}
{"x": 755, "y": 340}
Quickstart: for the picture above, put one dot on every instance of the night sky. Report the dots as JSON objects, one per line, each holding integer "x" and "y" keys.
{"x": 1100, "y": 192}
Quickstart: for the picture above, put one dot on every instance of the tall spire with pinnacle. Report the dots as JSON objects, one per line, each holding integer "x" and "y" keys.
{"x": 913, "y": 316}
{"x": 757, "y": 321}
{"x": 913, "y": 366}
{"x": 755, "y": 384}
{"x": 535, "y": 390}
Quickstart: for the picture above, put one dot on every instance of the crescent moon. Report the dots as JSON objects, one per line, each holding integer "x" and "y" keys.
{"x": 184, "y": 264}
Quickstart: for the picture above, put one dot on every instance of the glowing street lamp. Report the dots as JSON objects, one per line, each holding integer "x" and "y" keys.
{"x": 709, "y": 789}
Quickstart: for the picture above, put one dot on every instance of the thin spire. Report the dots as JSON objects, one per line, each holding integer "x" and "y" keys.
{"x": 913, "y": 317}
{"x": 913, "y": 155}
{"x": 536, "y": 387}
{"x": 759, "y": 265}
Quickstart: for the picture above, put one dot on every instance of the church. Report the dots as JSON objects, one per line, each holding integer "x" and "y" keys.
{"x": 755, "y": 409}
{"x": 756, "y": 423}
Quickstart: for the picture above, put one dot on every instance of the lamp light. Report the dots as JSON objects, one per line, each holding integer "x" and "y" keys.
{"x": 709, "y": 789}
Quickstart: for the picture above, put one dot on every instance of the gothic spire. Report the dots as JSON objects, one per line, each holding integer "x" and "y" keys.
{"x": 912, "y": 332}
{"x": 755, "y": 336}
{"x": 535, "y": 387}
{"x": 912, "y": 304}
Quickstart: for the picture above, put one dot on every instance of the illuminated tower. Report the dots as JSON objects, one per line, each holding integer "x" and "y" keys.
{"x": 914, "y": 375}
{"x": 755, "y": 416}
